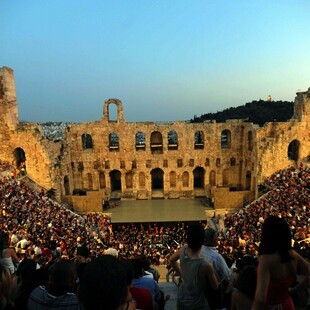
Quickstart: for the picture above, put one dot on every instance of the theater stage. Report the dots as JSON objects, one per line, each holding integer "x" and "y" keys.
{"x": 158, "y": 210}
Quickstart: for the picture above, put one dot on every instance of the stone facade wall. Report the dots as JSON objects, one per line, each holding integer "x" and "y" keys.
{"x": 226, "y": 199}
{"x": 109, "y": 159}
{"x": 40, "y": 155}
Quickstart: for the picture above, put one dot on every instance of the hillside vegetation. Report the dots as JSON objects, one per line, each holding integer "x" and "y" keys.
{"x": 257, "y": 112}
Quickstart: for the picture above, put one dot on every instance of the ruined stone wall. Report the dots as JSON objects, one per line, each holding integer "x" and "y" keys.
{"x": 40, "y": 154}
{"x": 8, "y": 102}
{"x": 274, "y": 140}
{"x": 229, "y": 164}
{"x": 105, "y": 159}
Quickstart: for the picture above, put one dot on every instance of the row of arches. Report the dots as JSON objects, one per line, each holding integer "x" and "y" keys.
{"x": 156, "y": 140}
{"x": 158, "y": 179}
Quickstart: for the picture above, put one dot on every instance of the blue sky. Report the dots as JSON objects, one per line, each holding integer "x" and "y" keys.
{"x": 165, "y": 60}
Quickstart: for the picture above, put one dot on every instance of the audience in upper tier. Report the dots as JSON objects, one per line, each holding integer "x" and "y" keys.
{"x": 34, "y": 227}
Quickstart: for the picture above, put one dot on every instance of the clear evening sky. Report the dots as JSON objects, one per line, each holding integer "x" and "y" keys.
{"x": 165, "y": 60}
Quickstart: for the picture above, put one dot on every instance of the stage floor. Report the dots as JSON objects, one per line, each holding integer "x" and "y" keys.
{"x": 158, "y": 210}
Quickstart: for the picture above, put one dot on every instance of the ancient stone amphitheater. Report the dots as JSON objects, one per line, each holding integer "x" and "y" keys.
{"x": 111, "y": 158}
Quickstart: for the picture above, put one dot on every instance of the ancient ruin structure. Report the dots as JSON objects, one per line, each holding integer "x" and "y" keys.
{"x": 146, "y": 160}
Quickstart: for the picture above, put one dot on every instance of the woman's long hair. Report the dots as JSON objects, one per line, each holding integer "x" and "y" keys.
{"x": 276, "y": 237}
{"x": 4, "y": 241}
{"x": 6, "y": 288}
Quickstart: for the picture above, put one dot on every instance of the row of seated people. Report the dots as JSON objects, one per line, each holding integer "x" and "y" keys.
{"x": 49, "y": 227}
{"x": 234, "y": 282}
{"x": 26, "y": 212}
{"x": 105, "y": 282}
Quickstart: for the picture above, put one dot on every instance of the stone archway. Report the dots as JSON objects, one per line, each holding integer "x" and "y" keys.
{"x": 293, "y": 150}
{"x": 19, "y": 158}
{"x": 66, "y": 185}
{"x": 115, "y": 178}
{"x": 157, "y": 179}
{"x": 199, "y": 177}
{"x": 248, "y": 179}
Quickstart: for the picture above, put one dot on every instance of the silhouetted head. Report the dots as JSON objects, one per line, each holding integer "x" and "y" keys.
{"x": 4, "y": 240}
{"x": 103, "y": 284}
{"x": 276, "y": 237}
{"x": 195, "y": 236}
{"x": 62, "y": 277}
{"x": 210, "y": 237}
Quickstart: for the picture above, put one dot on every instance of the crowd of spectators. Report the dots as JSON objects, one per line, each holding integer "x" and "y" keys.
{"x": 44, "y": 230}
{"x": 288, "y": 198}
{"x": 42, "y": 226}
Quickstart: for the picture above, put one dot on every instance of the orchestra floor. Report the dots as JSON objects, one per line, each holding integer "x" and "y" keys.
{"x": 158, "y": 210}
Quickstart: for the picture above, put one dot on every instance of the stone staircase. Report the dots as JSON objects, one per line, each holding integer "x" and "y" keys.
{"x": 169, "y": 288}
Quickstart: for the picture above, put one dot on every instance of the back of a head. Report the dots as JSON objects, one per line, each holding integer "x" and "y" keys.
{"x": 210, "y": 237}
{"x": 82, "y": 251}
{"x": 246, "y": 282}
{"x": 195, "y": 236}
{"x": 26, "y": 269}
{"x": 137, "y": 268}
{"x": 62, "y": 274}
{"x": 276, "y": 237}
{"x": 145, "y": 262}
{"x": 103, "y": 284}
{"x": 4, "y": 240}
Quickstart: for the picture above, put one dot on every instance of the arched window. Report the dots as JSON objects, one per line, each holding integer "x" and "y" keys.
{"x": 20, "y": 158}
{"x": 173, "y": 179}
{"x": 199, "y": 140}
{"x": 218, "y": 162}
{"x": 207, "y": 162}
{"x": 90, "y": 180}
{"x": 140, "y": 141}
{"x": 212, "y": 178}
{"x": 87, "y": 141}
{"x": 157, "y": 178}
{"x": 172, "y": 140}
{"x": 293, "y": 150}
{"x": 115, "y": 179}
{"x": 250, "y": 140}
{"x": 233, "y": 161}
{"x": 66, "y": 185}
{"x": 113, "y": 141}
{"x": 156, "y": 142}
{"x": 102, "y": 180}
{"x": 112, "y": 112}
{"x": 141, "y": 179}
{"x": 129, "y": 179}
{"x": 226, "y": 177}
{"x": 225, "y": 139}
{"x": 185, "y": 179}
{"x": 199, "y": 177}
{"x": 248, "y": 181}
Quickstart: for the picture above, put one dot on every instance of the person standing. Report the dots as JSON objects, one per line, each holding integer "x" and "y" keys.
{"x": 197, "y": 275}
{"x": 8, "y": 257}
{"x": 278, "y": 266}
{"x": 223, "y": 273}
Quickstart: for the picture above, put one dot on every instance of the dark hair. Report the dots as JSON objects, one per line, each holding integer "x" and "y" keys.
{"x": 137, "y": 268}
{"x": 195, "y": 236}
{"x": 276, "y": 237}
{"x": 62, "y": 277}
{"x": 103, "y": 284}
{"x": 4, "y": 241}
{"x": 246, "y": 282}
{"x": 82, "y": 251}
{"x": 210, "y": 234}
